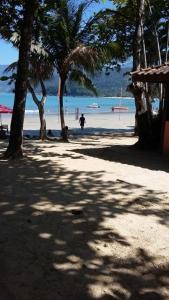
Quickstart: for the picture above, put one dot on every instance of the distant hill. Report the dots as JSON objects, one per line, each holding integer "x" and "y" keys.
{"x": 107, "y": 85}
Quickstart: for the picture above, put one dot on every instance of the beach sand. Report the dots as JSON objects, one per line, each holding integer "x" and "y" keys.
{"x": 85, "y": 220}
{"x": 99, "y": 122}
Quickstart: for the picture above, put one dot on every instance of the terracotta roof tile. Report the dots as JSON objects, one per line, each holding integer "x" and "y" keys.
{"x": 152, "y": 74}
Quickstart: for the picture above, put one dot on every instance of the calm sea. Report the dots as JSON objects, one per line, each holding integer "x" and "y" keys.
{"x": 72, "y": 103}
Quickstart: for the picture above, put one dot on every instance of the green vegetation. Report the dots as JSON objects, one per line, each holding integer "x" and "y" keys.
{"x": 77, "y": 47}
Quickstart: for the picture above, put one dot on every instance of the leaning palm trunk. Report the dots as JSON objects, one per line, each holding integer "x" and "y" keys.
{"x": 42, "y": 133}
{"x": 14, "y": 149}
{"x": 40, "y": 104}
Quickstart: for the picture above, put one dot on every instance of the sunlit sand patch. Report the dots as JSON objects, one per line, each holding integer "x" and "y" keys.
{"x": 48, "y": 206}
{"x": 74, "y": 258}
{"x": 67, "y": 266}
{"x": 20, "y": 205}
{"x": 37, "y": 213}
{"x": 60, "y": 242}
{"x": 59, "y": 253}
{"x": 45, "y": 235}
{"x": 4, "y": 203}
{"x": 134, "y": 227}
{"x": 101, "y": 248}
{"x": 9, "y": 212}
{"x": 104, "y": 286}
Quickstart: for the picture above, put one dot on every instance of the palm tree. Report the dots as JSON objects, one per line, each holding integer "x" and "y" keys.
{"x": 16, "y": 133}
{"x": 73, "y": 48}
{"x": 40, "y": 69}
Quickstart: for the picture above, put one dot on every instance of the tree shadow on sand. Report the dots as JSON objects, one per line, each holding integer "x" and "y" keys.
{"x": 130, "y": 156}
{"x": 53, "y": 237}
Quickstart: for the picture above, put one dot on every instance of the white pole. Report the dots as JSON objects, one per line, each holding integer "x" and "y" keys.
{"x": 58, "y": 95}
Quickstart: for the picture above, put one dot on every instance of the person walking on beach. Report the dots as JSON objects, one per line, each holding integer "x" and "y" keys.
{"x": 82, "y": 121}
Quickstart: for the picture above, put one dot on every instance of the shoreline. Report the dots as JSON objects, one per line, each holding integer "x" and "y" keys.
{"x": 76, "y": 96}
{"x": 104, "y": 121}
{"x": 114, "y": 97}
{"x": 72, "y": 113}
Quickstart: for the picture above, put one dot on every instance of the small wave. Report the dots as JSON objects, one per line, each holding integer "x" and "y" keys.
{"x": 31, "y": 111}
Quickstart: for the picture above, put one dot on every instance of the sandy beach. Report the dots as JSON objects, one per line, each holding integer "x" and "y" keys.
{"x": 94, "y": 122}
{"x": 85, "y": 220}
{"x": 84, "y": 150}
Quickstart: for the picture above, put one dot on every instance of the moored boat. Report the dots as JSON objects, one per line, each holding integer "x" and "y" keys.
{"x": 93, "y": 105}
{"x": 120, "y": 108}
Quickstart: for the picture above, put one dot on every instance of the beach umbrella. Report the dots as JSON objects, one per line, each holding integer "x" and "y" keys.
{"x": 4, "y": 110}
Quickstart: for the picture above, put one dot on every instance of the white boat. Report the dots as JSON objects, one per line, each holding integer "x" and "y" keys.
{"x": 94, "y": 105}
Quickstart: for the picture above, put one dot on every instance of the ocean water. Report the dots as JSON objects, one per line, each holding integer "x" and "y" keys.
{"x": 72, "y": 103}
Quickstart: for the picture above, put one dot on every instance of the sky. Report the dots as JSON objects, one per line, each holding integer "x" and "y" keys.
{"x": 9, "y": 54}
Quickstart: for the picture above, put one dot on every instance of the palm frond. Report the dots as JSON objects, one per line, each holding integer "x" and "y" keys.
{"x": 109, "y": 51}
{"x": 78, "y": 19}
{"x": 94, "y": 21}
{"x": 40, "y": 69}
{"x": 82, "y": 56}
{"x": 37, "y": 48}
{"x": 15, "y": 39}
{"x": 12, "y": 67}
{"x": 82, "y": 79}
{"x": 73, "y": 44}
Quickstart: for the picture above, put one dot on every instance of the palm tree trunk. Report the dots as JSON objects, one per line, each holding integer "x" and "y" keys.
{"x": 42, "y": 134}
{"x": 156, "y": 36}
{"x": 14, "y": 149}
{"x": 167, "y": 44}
{"x": 147, "y": 94}
{"x": 138, "y": 37}
{"x": 144, "y": 45}
{"x": 62, "y": 119}
{"x": 158, "y": 49}
{"x": 143, "y": 107}
{"x": 137, "y": 48}
{"x": 40, "y": 105}
{"x": 64, "y": 132}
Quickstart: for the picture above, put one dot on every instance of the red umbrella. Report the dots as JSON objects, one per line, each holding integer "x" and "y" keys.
{"x": 5, "y": 110}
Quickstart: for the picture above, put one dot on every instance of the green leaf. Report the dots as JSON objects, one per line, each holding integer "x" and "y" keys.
{"x": 82, "y": 79}
{"x": 4, "y": 78}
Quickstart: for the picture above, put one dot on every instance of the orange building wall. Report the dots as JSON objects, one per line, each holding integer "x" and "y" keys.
{"x": 166, "y": 138}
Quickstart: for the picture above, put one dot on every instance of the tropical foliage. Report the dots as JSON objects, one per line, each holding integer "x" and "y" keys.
{"x": 64, "y": 39}
{"x": 142, "y": 27}
{"x": 77, "y": 50}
